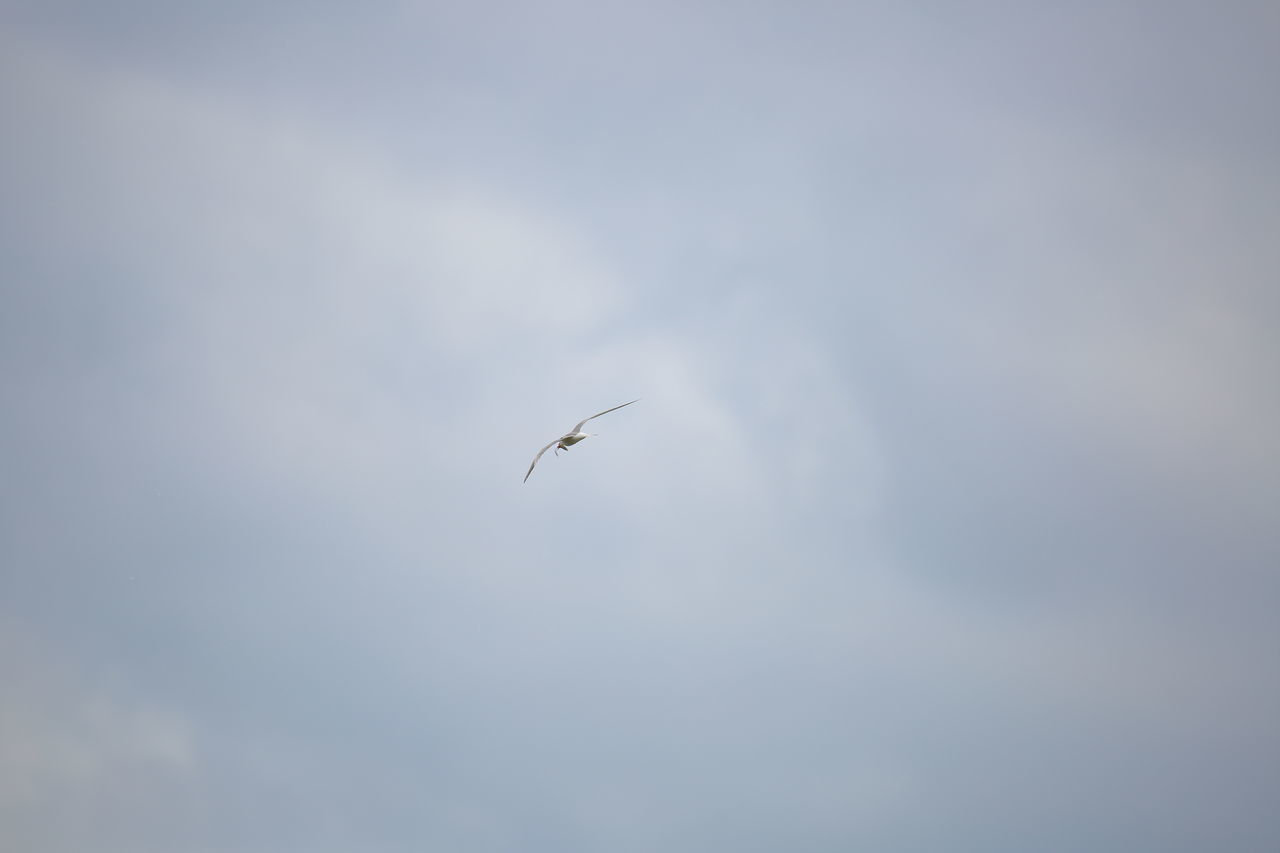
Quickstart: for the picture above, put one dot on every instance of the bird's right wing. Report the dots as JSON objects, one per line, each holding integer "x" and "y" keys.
{"x": 535, "y": 460}
{"x": 578, "y": 428}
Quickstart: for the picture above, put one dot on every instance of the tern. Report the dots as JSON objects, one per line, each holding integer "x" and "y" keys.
{"x": 571, "y": 437}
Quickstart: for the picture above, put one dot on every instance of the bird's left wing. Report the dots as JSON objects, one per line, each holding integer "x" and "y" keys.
{"x": 535, "y": 460}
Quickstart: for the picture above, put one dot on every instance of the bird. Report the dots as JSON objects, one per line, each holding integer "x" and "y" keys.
{"x": 571, "y": 437}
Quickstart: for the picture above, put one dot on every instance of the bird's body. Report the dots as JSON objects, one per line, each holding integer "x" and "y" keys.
{"x": 570, "y": 438}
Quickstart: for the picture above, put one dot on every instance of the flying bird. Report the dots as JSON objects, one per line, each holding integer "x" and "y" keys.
{"x": 570, "y": 438}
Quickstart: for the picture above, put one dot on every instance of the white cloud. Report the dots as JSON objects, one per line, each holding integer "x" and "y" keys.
{"x": 70, "y": 741}
{"x": 300, "y": 290}
{"x": 297, "y": 381}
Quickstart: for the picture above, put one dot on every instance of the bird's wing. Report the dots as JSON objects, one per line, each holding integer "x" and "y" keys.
{"x": 578, "y": 428}
{"x": 535, "y": 460}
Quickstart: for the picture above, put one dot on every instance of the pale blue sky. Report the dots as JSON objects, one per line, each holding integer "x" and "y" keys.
{"x": 947, "y": 521}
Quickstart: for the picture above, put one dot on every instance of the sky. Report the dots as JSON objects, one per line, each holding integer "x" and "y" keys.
{"x": 948, "y": 519}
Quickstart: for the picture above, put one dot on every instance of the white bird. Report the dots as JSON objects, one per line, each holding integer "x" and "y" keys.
{"x": 571, "y": 437}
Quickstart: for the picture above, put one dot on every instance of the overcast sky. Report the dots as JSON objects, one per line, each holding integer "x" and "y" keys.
{"x": 949, "y": 519}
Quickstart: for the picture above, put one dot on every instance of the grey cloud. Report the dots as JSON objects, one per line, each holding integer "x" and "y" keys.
{"x": 945, "y": 520}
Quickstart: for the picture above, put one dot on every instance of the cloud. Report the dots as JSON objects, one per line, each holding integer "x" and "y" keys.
{"x": 293, "y": 291}
{"x": 70, "y": 742}
{"x": 915, "y": 534}
{"x": 1130, "y": 290}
